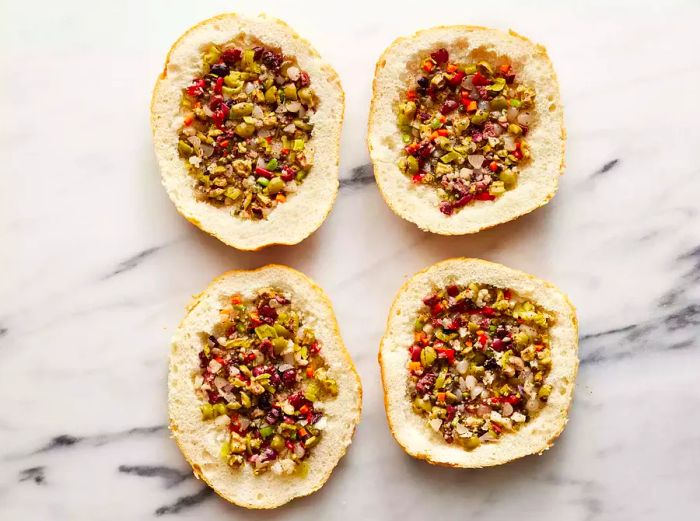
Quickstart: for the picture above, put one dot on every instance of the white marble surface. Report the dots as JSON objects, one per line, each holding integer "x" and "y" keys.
{"x": 97, "y": 266}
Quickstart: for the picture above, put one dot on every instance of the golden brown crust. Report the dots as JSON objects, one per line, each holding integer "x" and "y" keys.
{"x": 381, "y": 62}
{"x": 332, "y": 77}
{"x": 382, "y": 366}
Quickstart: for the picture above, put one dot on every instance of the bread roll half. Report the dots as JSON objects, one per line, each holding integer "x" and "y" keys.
{"x": 512, "y": 432}
{"x": 200, "y": 436}
{"x": 304, "y": 210}
{"x": 538, "y": 178}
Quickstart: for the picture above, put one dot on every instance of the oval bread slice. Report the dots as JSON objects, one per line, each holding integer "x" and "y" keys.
{"x": 292, "y": 221}
{"x": 411, "y": 430}
{"x": 538, "y": 180}
{"x": 197, "y": 438}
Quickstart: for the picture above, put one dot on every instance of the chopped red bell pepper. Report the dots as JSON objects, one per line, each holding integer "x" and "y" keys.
{"x": 263, "y": 172}
{"x": 457, "y": 78}
{"x": 218, "y": 85}
{"x": 447, "y": 353}
{"x": 479, "y": 79}
{"x": 485, "y": 196}
{"x": 411, "y": 95}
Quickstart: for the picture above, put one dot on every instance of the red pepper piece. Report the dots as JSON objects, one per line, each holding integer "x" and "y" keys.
{"x": 219, "y": 84}
{"x": 507, "y": 294}
{"x": 483, "y": 339}
{"x": 488, "y": 311}
{"x": 437, "y": 308}
{"x": 263, "y": 172}
{"x": 417, "y": 178}
{"x": 457, "y": 78}
{"x": 493, "y": 166}
{"x": 485, "y": 196}
{"x": 440, "y": 56}
{"x": 447, "y": 353}
{"x": 479, "y": 79}
{"x": 415, "y": 353}
{"x": 518, "y": 153}
{"x": 411, "y": 94}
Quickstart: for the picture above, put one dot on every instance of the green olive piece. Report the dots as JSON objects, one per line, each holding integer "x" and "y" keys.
{"x": 277, "y": 443}
{"x": 499, "y": 103}
{"x": 275, "y": 185}
{"x": 244, "y": 130}
{"x": 411, "y": 165}
{"x": 480, "y": 117}
{"x": 306, "y": 96}
{"x": 240, "y": 110}
{"x": 471, "y": 443}
{"x": 515, "y": 129}
{"x": 207, "y": 411}
{"x": 509, "y": 178}
{"x": 185, "y": 148}
{"x": 290, "y": 91}
{"x": 427, "y": 356}
{"x": 271, "y": 94}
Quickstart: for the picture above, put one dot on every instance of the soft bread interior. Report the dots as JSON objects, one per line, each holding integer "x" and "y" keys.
{"x": 411, "y": 430}
{"x": 199, "y": 440}
{"x": 538, "y": 180}
{"x": 292, "y": 221}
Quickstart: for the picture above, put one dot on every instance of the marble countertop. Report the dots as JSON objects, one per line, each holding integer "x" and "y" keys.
{"x": 98, "y": 266}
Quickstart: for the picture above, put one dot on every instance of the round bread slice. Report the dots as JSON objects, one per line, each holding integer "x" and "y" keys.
{"x": 198, "y": 439}
{"x": 304, "y": 211}
{"x": 412, "y": 431}
{"x": 538, "y": 180}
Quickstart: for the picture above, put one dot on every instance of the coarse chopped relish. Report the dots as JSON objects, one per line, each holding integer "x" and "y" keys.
{"x": 263, "y": 377}
{"x": 463, "y": 126}
{"x": 246, "y": 128}
{"x": 479, "y": 362}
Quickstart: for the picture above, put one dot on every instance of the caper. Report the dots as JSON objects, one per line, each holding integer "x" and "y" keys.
{"x": 219, "y": 409}
{"x": 508, "y": 177}
{"x": 279, "y": 345}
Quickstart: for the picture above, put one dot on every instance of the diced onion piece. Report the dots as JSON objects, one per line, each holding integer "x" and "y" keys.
{"x": 476, "y": 160}
{"x": 435, "y": 424}
{"x": 524, "y": 119}
{"x": 512, "y": 114}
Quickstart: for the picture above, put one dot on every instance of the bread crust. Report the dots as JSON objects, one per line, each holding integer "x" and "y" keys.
{"x": 410, "y": 430}
{"x": 190, "y": 432}
{"x": 539, "y": 179}
{"x": 291, "y": 222}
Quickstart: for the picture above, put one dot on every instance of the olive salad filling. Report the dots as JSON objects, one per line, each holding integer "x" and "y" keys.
{"x": 463, "y": 126}
{"x": 246, "y": 128}
{"x": 263, "y": 378}
{"x": 479, "y": 362}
